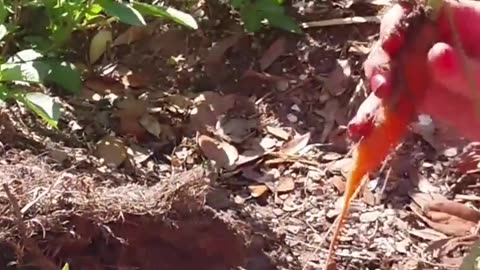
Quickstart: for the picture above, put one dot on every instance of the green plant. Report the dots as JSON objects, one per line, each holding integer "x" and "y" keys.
{"x": 255, "y": 12}
{"x": 37, "y": 31}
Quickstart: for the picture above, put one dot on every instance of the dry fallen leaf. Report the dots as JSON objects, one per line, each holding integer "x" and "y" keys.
{"x": 454, "y": 208}
{"x": 329, "y": 113}
{"x": 112, "y": 151}
{"x": 99, "y": 44}
{"x": 178, "y": 103}
{"x": 427, "y": 234}
{"x": 249, "y": 156}
{"x": 260, "y": 177}
{"x": 102, "y": 86}
{"x": 341, "y": 166}
{"x": 278, "y": 132}
{"x": 273, "y": 52}
{"x": 338, "y": 183}
{"x": 338, "y": 80}
{"x": 131, "y": 107}
{"x": 151, "y": 124}
{"x": 295, "y": 145}
{"x": 285, "y": 184}
{"x": 216, "y": 67}
{"x": 368, "y": 217}
{"x": 257, "y": 190}
{"x": 224, "y": 154}
{"x": 132, "y": 34}
{"x": 235, "y": 130}
{"x": 136, "y": 79}
{"x": 138, "y": 154}
{"x": 445, "y": 216}
{"x": 209, "y": 106}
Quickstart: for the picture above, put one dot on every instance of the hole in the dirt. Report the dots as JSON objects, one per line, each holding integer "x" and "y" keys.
{"x": 193, "y": 241}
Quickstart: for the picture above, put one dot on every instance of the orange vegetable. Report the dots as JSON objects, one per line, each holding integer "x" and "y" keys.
{"x": 388, "y": 118}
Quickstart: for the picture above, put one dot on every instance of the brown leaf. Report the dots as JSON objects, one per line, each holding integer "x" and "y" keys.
{"x": 295, "y": 145}
{"x": 341, "y": 166}
{"x": 138, "y": 153}
{"x": 427, "y": 234}
{"x": 285, "y": 184}
{"x": 112, "y": 151}
{"x": 136, "y": 79}
{"x": 257, "y": 190}
{"x": 235, "y": 130}
{"x": 454, "y": 208}
{"x": 249, "y": 156}
{"x": 216, "y": 68}
{"x": 179, "y": 103}
{"x": 209, "y": 106}
{"x": 338, "y": 183}
{"x": 260, "y": 177}
{"x": 99, "y": 44}
{"x": 130, "y": 126}
{"x": 273, "y": 53}
{"x": 338, "y": 80}
{"x": 151, "y": 124}
{"x": 132, "y": 34}
{"x": 278, "y": 132}
{"x": 103, "y": 86}
{"x": 217, "y": 51}
{"x": 329, "y": 113}
{"x": 368, "y": 217}
{"x": 445, "y": 222}
{"x": 222, "y": 153}
{"x": 131, "y": 107}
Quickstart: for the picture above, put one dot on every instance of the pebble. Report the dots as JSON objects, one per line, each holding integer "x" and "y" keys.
{"x": 292, "y": 118}
{"x": 296, "y": 108}
{"x": 277, "y": 211}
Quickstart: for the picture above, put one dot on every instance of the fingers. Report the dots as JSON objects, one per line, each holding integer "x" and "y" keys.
{"x": 454, "y": 110}
{"x": 449, "y": 71}
{"x": 466, "y": 18}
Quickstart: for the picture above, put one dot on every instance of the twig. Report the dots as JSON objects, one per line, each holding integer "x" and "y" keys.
{"x": 28, "y": 243}
{"x": 342, "y": 21}
{"x": 30, "y": 204}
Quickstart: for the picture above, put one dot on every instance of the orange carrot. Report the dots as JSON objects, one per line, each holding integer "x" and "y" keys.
{"x": 370, "y": 153}
{"x": 391, "y": 115}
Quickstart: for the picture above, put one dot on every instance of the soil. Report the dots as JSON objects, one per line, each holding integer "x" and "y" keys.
{"x": 165, "y": 207}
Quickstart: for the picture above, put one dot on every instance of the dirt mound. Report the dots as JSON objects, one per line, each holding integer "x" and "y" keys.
{"x": 170, "y": 225}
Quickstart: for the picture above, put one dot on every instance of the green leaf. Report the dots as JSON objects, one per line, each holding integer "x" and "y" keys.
{"x": 251, "y": 18}
{"x": 25, "y": 56}
{"x": 66, "y": 76}
{"x": 4, "y": 95}
{"x": 170, "y": 13}
{"x": 3, "y": 31}
{"x": 66, "y": 267}
{"x": 43, "y": 105}
{"x": 35, "y": 72}
{"x": 124, "y": 12}
{"x": 3, "y": 12}
{"x": 472, "y": 260}
{"x": 284, "y": 22}
{"x": 237, "y": 3}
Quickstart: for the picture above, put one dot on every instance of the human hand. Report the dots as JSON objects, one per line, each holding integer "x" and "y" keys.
{"x": 449, "y": 98}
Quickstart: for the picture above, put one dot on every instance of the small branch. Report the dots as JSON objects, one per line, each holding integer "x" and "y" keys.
{"x": 29, "y": 244}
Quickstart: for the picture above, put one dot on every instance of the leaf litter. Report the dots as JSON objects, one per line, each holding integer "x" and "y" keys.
{"x": 287, "y": 174}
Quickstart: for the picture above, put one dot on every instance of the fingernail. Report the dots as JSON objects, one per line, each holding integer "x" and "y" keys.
{"x": 443, "y": 59}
